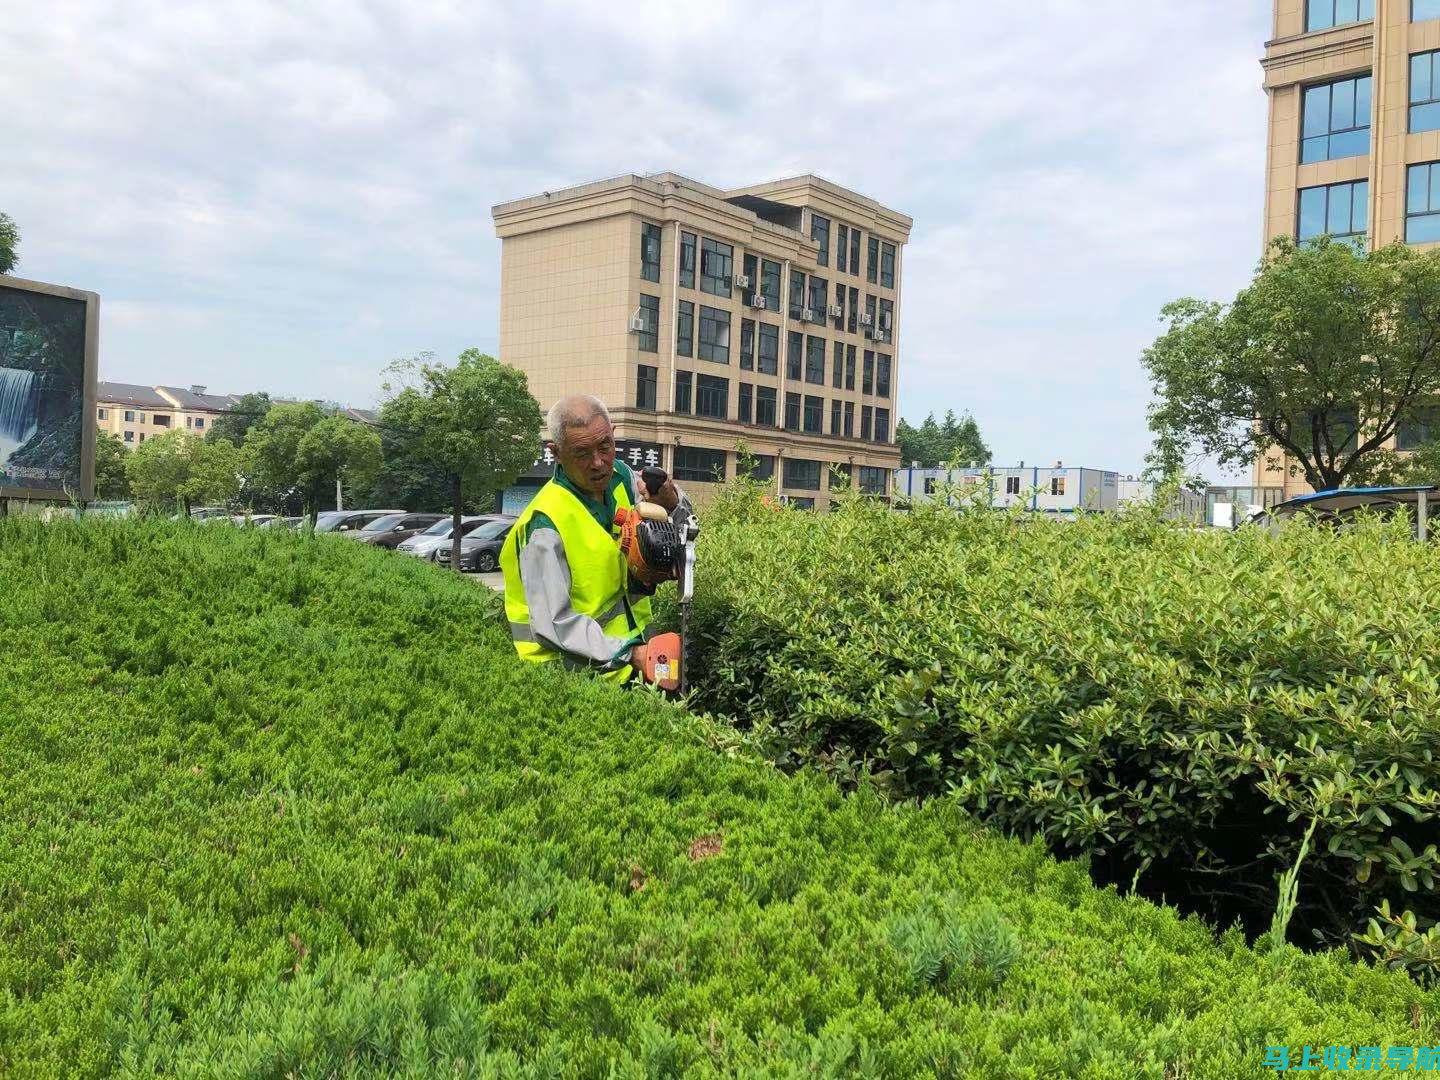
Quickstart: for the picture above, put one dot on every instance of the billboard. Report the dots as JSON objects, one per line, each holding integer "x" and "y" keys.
{"x": 48, "y": 358}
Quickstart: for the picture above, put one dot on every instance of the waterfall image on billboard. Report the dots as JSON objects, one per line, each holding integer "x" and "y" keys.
{"x": 42, "y": 380}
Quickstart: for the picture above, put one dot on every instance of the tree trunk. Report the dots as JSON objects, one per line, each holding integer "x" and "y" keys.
{"x": 185, "y": 505}
{"x": 455, "y": 522}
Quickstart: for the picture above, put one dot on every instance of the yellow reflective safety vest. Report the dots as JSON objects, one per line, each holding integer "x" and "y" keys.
{"x": 598, "y": 574}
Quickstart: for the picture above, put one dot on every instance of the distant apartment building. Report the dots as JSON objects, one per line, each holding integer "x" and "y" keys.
{"x": 768, "y": 315}
{"x": 1354, "y": 145}
{"x": 1059, "y": 490}
{"x": 136, "y": 413}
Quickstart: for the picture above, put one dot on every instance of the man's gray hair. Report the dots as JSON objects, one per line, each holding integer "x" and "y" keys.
{"x": 571, "y": 411}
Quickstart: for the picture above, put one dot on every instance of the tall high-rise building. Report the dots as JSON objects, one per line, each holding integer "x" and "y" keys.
{"x": 766, "y": 315}
{"x": 1354, "y": 151}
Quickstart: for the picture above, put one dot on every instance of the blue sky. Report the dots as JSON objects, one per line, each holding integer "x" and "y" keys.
{"x": 290, "y": 196}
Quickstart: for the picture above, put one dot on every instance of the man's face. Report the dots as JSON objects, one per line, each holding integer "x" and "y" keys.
{"x": 588, "y": 456}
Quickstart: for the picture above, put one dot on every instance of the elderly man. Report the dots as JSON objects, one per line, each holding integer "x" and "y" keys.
{"x": 568, "y": 592}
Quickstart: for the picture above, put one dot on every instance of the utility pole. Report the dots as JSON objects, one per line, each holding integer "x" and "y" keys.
{"x": 338, "y": 495}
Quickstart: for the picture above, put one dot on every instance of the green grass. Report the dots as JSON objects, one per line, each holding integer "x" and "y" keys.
{"x": 275, "y": 806}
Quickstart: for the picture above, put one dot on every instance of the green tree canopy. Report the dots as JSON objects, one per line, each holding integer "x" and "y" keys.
{"x": 296, "y": 450}
{"x": 110, "y": 455}
{"x": 1320, "y": 359}
{"x": 9, "y": 244}
{"x": 181, "y": 468}
{"x": 474, "y": 422}
{"x": 247, "y": 411}
{"x": 955, "y": 440}
{"x": 336, "y": 449}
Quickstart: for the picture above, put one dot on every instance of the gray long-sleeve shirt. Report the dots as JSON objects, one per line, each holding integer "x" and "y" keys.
{"x": 545, "y": 576}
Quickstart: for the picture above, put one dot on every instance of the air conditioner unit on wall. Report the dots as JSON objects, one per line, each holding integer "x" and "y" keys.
{"x": 808, "y": 315}
{"x": 637, "y": 322}
{"x": 742, "y": 281}
{"x": 867, "y": 319}
{"x": 836, "y": 311}
{"x": 758, "y": 301}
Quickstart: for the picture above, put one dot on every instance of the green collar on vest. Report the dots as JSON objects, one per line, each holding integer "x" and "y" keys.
{"x": 603, "y": 511}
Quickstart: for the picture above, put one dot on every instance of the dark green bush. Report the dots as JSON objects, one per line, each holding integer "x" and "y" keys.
{"x": 1175, "y": 704}
{"x": 275, "y": 806}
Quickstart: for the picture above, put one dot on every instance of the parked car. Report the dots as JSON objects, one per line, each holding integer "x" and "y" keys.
{"x": 393, "y": 529}
{"x": 480, "y": 551}
{"x": 205, "y": 513}
{"x": 343, "y": 521}
{"x": 256, "y": 520}
{"x": 424, "y": 545}
{"x": 282, "y": 523}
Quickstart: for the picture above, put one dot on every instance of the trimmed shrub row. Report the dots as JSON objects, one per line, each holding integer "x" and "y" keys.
{"x": 1180, "y": 706}
{"x": 272, "y": 806}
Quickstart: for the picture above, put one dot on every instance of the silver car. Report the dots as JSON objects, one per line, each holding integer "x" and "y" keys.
{"x": 427, "y": 543}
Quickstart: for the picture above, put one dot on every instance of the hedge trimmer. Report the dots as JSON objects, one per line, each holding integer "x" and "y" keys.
{"x": 658, "y": 550}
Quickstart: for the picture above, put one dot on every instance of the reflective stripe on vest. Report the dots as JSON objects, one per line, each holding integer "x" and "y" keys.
{"x": 597, "y": 572}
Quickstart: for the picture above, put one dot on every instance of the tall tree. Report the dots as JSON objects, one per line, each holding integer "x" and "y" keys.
{"x": 1318, "y": 361}
{"x": 270, "y": 456}
{"x": 9, "y": 244}
{"x": 955, "y": 441}
{"x": 475, "y": 421}
{"x": 110, "y": 480}
{"x": 248, "y": 410}
{"x": 181, "y": 468}
{"x": 336, "y": 450}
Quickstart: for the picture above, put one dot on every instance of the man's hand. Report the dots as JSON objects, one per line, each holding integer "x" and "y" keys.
{"x": 668, "y": 496}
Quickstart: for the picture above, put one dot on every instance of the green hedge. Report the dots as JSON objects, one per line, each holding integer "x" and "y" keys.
{"x": 281, "y": 806}
{"x": 1175, "y": 703}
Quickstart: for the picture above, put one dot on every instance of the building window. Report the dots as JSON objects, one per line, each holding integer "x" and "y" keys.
{"x": 798, "y": 502}
{"x": 1420, "y": 10}
{"x": 882, "y": 375}
{"x": 820, "y": 233}
{"x": 129, "y": 416}
{"x": 142, "y": 436}
{"x": 853, "y": 323}
{"x": 794, "y": 353}
{"x": 716, "y": 265}
{"x": 1422, "y": 204}
{"x": 101, "y": 414}
{"x": 1323, "y": 14}
{"x": 1424, "y": 92}
{"x": 189, "y": 421}
{"x": 855, "y": 252}
{"x": 765, "y": 406}
{"x": 870, "y": 315}
{"x": 871, "y": 479}
{"x": 815, "y": 360}
{"x": 882, "y": 425}
{"x": 1057, "y": 485}
{"x": 752, "y": 275}
{"x": 1416, "y": 432}
{"x": 712, "y": 396}
{"x": 129, "y": 436}
{"x": 835, "y": 417}
{"x": 792, "y": 412}
{"x": 814, "y": 415}
{"x": 747, "y": 344}
{"x": 797, "y": 293}
{"x": 867, "y": 414}
{"x": 744, "y": 403}
{"x": 930, "y": 485}
{"x": 714, "y": 335}
{"x": 698, "y": 464}
{"x": 840, "y": 303}
{"x": 887, "y": 266}
{"x": 769, "y": 349}
{"x": 872, "y": 263}
{"x": 842, "y": 248}
{"x": 1338, "y": 210}
{"x": 819, "y": 290}
{"x": 687, "y": 260}
{"x": 849, "y": 367}
{"x": 682, "y": 391}
{"x": 837, "y": 366}
{"x": 650, "y": 251}
{"x": 867, "y": 385}
{"x": 849, "y": 419}
{"x": 802, "y": 473}
{"x": 646, "y": 387}
{"x": 685, "y": 329}
{"x": 1012, "y": 485}
{"x": 770, "y": 284}
{"x": 1337, "y": 120}
{"x": 886, "y": 316}
{"x": 761, "y": 467}
{"x": 649, "y": 336}
{"x": 199, "y": 421}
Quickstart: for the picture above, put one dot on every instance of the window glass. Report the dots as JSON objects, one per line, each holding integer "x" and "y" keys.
{"x": 1424, "y": 427}
{"x": 649, "y": 336}
{"x": 1057, "y": 485}
{"x": 853, "y": 324}
{"x": 820, "y": 233}
{"x": 1424, "y": 92}
{"x": 819, "y": 290}
{"x": 882, "y": 375}
{"x": 714, "y": 335}
{"x": 814, "y": 414}
{"x": 867, "y": 385}
{"x": 840, "y": 303}
{"x": 712, "y": 396}
{"x": 687, "y": 260}
{"x": 797, "y": 293}
{"x": 1336, "y": 122}
{"x": 815, "y": 360}
{"x": 887, "y": 265}
{"x": 794, "y": 354}
{"x": 645, "y": 387}
{"x": 747, "y": 344}
{"x": 835, "y": 417}
{"x": 744, "y": 402}
{"x": 1323, "y": 14}
{"x": 849, "y": 420}
{"x": 765, "y": 406}
{"x": 882, "y": 425}
{"x": 842, "y": 248}
{"x": 770, "y": 284}
{"x": 870, "y": 479}
{"x": 849, "y": 367}
{"x": 867, "y": 415}
{"x": 650, "y": 252}
{"x": 802, "y": 473}
{"x": 837, "y": 366}
{"x": 685, "y": 328}
{"x": 872, "y": 262}
{"x": 855, "y": 252}
{"x": 699, "y": 464}
{"x": 769, "y": 349}
{"x": 716, "y": 264}
{"x": 1422, "y": 204}
{"x": 1012, "y": 485}
{"x": 762, "y": 467}
{"x": 792, "y": 412}
{"x": 682, "y": 391}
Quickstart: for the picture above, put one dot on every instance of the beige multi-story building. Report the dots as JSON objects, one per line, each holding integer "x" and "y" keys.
{"x": 136, "y": 413}
{"x": 767, "y": 315}
{"x": 1354, "y": 88}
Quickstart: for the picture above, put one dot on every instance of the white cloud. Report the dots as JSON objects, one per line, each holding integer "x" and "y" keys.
{"x": 313, "y": 181}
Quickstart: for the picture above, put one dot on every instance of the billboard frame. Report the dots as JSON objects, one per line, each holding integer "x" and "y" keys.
{"x": 88, "y": 393}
